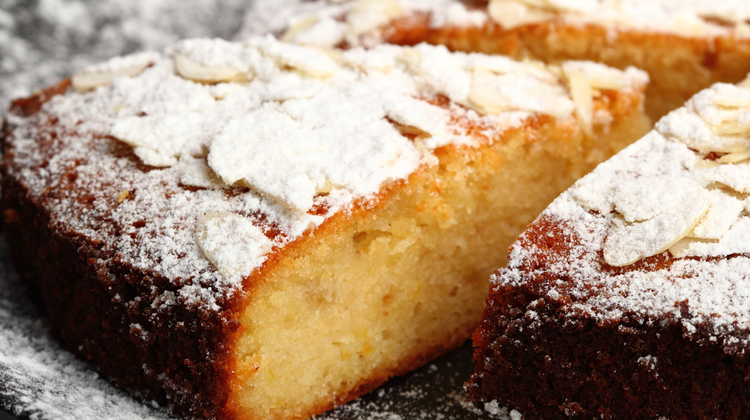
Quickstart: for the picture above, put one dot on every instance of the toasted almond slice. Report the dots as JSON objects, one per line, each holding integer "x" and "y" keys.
{"x": 197, "y": 72}
{"x": 232, "y": 243}
{"x": 735, "y": 157}
{"x": 722, "y": 214}
{"x": 627, "y": 243}
{"x": 583, "y": 98}
{"x": 368, "y": 15}
{"x": 91, "y": 77}
{"x": 510, "y": 14}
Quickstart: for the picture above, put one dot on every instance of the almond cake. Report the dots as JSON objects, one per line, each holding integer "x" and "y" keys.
{"x": 685, "y": 46}
{"x": 257, "y": 230}
{"x": 628, "y": 298}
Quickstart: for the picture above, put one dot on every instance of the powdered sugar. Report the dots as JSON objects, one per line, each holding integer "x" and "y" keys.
{"x": 658, "y": 194}
{"x": 302, "y": 128}
{"x": 695, "y": 18}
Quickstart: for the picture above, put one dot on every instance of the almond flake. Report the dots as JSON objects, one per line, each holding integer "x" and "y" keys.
{"x": 232, "y": 243}
{"x": 493, "y": 94}
{"x": 732, "y": 98}
{"x": 195, "y": 172}
{"x": 735, "y": 176}
{"x": 510, "y": 14}
{"x": 102, "y": 74}
{"x": 691, "y": 130}
{"x": 627, "y": 243}
{"x": 197, "y": 72}
{"x": 722, "y": 214}
{"x": 583, "y": 98}
{"x": 298, "y": 27}
{"x": 368, "y": 15}
{"x": 735, "y": 241}
{"x": 735, "y": 157}
{"x": 307, "y": 60}
{"x": 426, "y": 117}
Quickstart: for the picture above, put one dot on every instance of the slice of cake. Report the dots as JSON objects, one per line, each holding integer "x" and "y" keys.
{"x": 261, "y": 230}
{"x": 685, "y": 46}
{"x": 628, "y": 298}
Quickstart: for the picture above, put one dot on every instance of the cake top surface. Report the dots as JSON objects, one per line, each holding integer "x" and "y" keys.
{"x": 663, "y": 228}
{"x": 240, "y": 148}
{"x": 356, "y": 22}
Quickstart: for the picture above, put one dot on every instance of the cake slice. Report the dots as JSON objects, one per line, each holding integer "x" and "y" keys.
{"x": 683, "y": 46}
{"x": 628, "y": 297}
{"x": 261, "y": 230}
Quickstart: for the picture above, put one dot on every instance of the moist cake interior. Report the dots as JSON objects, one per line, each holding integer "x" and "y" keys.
{"x": 388, "y": 288}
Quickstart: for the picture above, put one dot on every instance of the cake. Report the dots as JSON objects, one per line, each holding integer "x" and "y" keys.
{"x": 685, "y": 46}
{"x": 628, "y": 297}
{"x": 262, "y": 230}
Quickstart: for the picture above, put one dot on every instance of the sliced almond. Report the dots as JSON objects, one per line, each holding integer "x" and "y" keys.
{"x": 428, "y": 118}
{"x": 492, "y": 94}
{"x": 732, "y": 97}
{"x": 94, "y": 76}
{"x": 735, "y": 157}
{"x": 642, "y": 199}
{"x": 583, "y": 98}
{"x": 197, "y": 72}
{"x": 232, "y": 243}
{"x": 368, "y": 15}
{"x": 721, "y": 215}
{"x": 298, "y": 27}
{"x": 310, "y": 61}
{"x": 510, "y": 14}
{"x": 627, "y": 243}
{"x": 195, "y": 172}
{"x": 691, "y": 130}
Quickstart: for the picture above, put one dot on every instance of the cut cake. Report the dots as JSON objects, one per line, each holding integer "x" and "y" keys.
{"x": 684, "y": 46}
{"x": 260, "y": 230}
{"x": 628, "y": 298}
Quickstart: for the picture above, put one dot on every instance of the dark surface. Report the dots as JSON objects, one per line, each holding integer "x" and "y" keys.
{"x": 431, "y": 392}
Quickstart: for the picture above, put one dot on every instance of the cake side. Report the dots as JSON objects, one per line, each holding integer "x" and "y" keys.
{"x": 684, "y": 47}
{"x": 626, "y": 298}
{"x": 139, "y": 176}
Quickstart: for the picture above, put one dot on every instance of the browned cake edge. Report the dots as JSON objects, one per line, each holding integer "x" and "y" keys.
{"x": 544, "y": 358}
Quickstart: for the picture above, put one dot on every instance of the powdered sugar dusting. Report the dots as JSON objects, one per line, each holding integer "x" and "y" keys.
{"x": 658, "y": 194}
{"x": 694, "y": 18}
{"x": 295, "y": 135}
